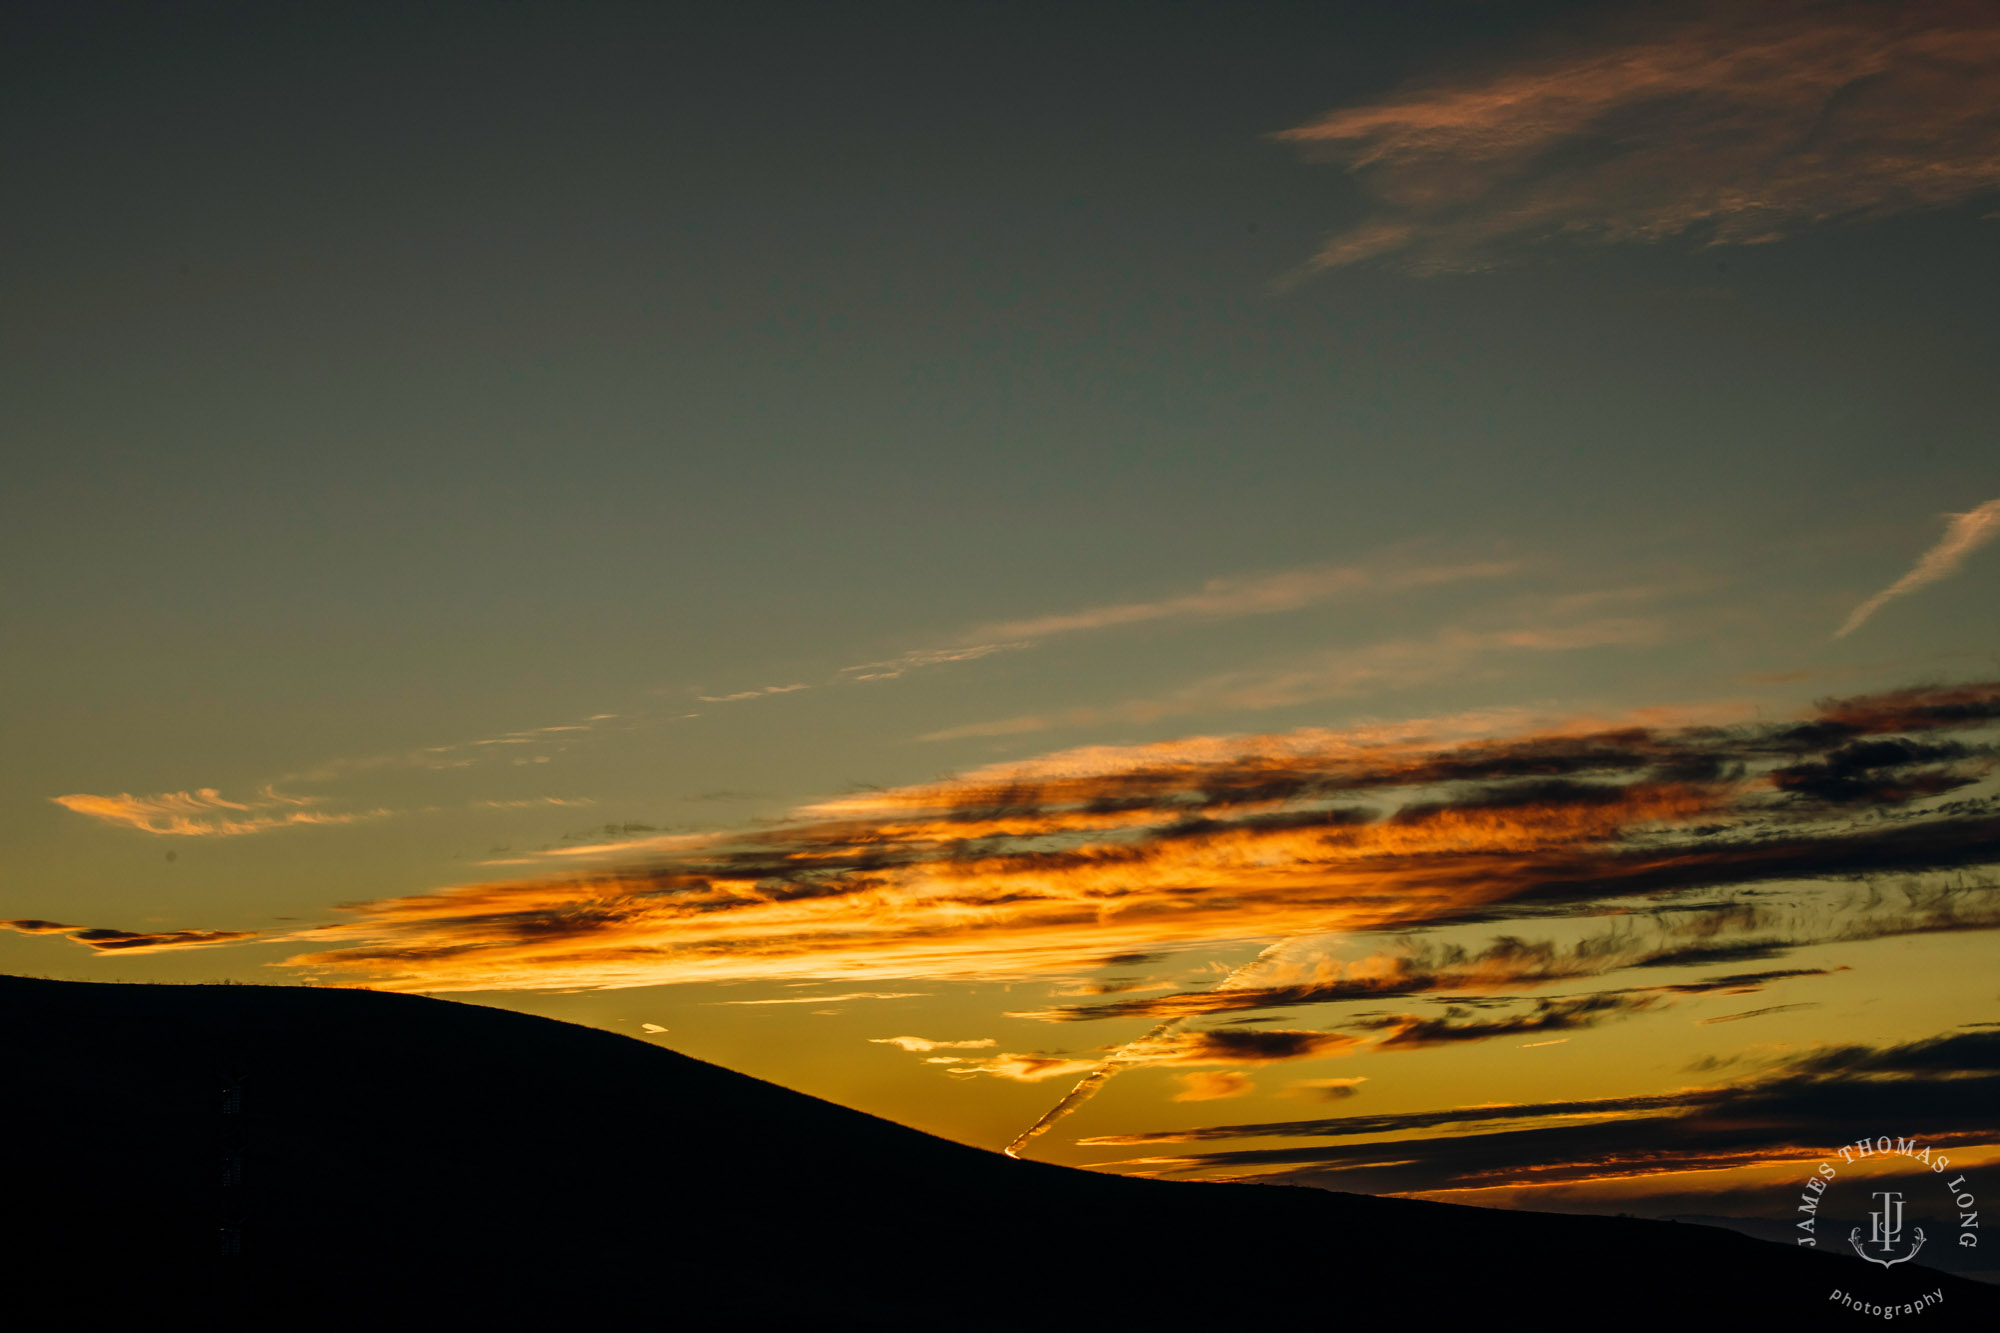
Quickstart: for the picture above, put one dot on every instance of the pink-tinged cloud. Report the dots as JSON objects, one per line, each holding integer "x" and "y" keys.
{"x": 1963, "y": 534}
{"x": 205, "y": 813}
{"x": 1734, "y": 123}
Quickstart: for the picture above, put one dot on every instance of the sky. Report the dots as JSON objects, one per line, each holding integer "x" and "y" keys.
{"x": 1390, "y": 596}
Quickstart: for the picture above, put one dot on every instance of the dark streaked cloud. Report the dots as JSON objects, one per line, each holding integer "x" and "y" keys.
{"x": 1356, "y": 1126}
{"x": 1940, "y": 1089}
{"x": 107, "y": 940}
{"x": 1054, "y": 864}
{"x": 1513, "y": 963}
{"x": 1756, "y": 1013}
{"x": 1730, "y": 124}
{"x": 1239, "y": 1046}
{"x": 1879, "y": 771}
{"x": 1554, "y": 1014}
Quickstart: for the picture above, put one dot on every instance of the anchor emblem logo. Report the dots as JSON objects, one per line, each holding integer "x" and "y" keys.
{"x": 1885, "y": 1230}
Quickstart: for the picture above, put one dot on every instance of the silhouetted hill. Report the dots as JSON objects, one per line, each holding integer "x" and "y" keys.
{"x": 408, "y": 1163}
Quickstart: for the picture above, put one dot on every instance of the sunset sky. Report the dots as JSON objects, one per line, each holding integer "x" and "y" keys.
{"x": 1397, "y": 596}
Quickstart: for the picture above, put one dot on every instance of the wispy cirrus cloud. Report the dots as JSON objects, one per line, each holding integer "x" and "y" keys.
{"x": 535, "y": 802}
{"x": 1217, "y": 599}
{"x": 103, "y": 939}
{"x": 1342, "y": 673}
{"x": 897, "y": 667}
{"x": 205, "y": 812}
{"x": 1963, "y": 534}
{"x": 759, "y": 693}
{"x": 1737, "y": 124}
{"x": 833, "y": 999}
{"x": 1050, "y": 866}
{"x": 462, "y": 754}
{"x": 611, "y": 846}
{"x": 1266, "y": 594}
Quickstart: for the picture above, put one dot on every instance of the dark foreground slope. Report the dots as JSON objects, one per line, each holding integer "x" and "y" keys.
{"x": 414, "y": 1163}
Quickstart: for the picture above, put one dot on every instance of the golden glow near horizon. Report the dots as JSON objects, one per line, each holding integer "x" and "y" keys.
{"x": 1405, "y": 899}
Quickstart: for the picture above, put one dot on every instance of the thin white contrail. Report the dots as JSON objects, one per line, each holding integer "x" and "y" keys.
{"x": 1965, "y": 534}
{"x": 1087, "y": 1087}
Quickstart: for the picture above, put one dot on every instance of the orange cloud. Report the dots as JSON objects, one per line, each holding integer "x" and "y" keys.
{"x": 921, "y": 1045}
{"x": 203, "y": 813}
{"x": 1738, "y": 123}
{"x": 1017, "y": 1068}
{"x": 1212, "y": 1085}
{"x": 1047, "y": 868}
